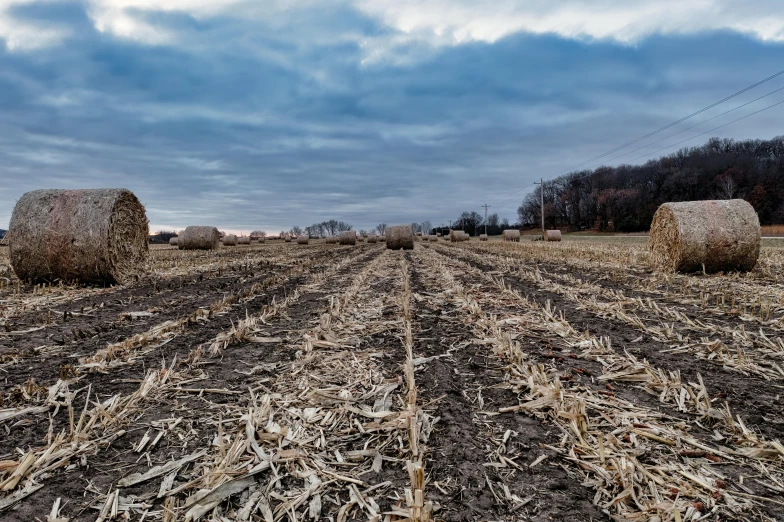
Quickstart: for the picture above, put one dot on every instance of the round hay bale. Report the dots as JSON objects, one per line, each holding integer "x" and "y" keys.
{"x": 93, "y": 236}
{"x": 458, "y": 235}
{"x": 382, "y": 239}
{"x": 287, "y": 239}
{"x": 173, "y": 241}
{"x": 348, "y": 237}
{"x": 262, "y": 240}
{"x": 243, "y": 240}
{"x": 372, "y": 238}
{"x": 199, "y": 238}
{"x": 303, "y": 240}
{"x": 229, "y": 240}
{"x": 552, "y": 235}
{"x": 438, "y": 234}
{"x": 361, "y": 239}
{"x": 720, "y": 236}
{"x": 432, "y": 238}
{"x": 511, "y": 235}
{"x": 400, "y": 237}
{"x": 482, "y": 237}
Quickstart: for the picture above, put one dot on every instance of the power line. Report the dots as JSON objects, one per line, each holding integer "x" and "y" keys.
{"x": 671, "y": 125}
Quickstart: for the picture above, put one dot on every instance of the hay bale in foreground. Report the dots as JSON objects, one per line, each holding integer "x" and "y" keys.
{"x": 400, "y": 237}
{"x": 482, "y": 237}
{"x": 348, "y": 237}
{"x": 511, "y": 235}
{"x": 722, "y": 236}
{"x": 173, "y": 241}
{"x": 303, "y": 240}
{"x": 93, "y": 236}
{"x": 199, "y": 238}
{"x": 552, "y": 235}
{"x": 372, "y": 238}
{"x": 243, "y": 240}
{"x": 229, "y": 240}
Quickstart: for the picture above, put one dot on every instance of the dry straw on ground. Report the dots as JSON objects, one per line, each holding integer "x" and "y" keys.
{"x": 400, "y": 236}
{"x": 173, "y": 241}
{"x": 230, "y": 240}
{"x": 199, "y": 238}
{"x": 715, "y": 236}
{"x": 552, "y": 235}
{"x": 348, "y": 237}
{"x": 93, "y": 236}
{"x": 511, "y": 235}
{"x": 302, "y": 240}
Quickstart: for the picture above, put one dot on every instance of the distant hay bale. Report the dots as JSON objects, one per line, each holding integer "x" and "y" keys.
{"x": 199, "y": 238}
{"x": 382, "y": 239}
{"x": 457, "y": 236}
{"x": 348, "y": 237}
{"x": 173, "y": 241}
{"x": 371, "y": 238}
{"x": 438, "y": 234}
{"x": 287, "y": 239}
{"x": 482, "y": 237}
{"x": 552, "y": 235}
{"x": 229, "y": 240}
{"x": 720, "y": 236}
{"x": 303, "y": 240}
{"x": 93, "y": 236}
{"x": 332, "y": 240}
{"x": 243, "y": 240}
{"x": 400, "y": 237}
{"x": 433, "y": 238}
{"x": 511, "y": 235}
{"x": 262, "y": 240}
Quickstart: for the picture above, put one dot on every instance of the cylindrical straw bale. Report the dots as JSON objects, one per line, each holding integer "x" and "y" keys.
{"x": 382, "y": 239}
{"x": 287, "y": 239}
{"x": 229, "y": 240}
{"x": 400, "y": 237}
{"x": 173, "y": 241}
{"x": 511, "y": 235}
{"x": 303, "y": 240}
{"x": 482, "y": 237}
{"x": 719, "y": 236}
{"x": 433, "y": 237}
{"x": 438, "y": 234}
{"x": 348, "y": 237}
{"x": 199, "y": 238}
{"x": 93, "y": 236}
{"x": 552, "y": 235}
{"x": 372, "y": 238}
{"x": 243, "y": 240}
{"x": 262, "y": 240}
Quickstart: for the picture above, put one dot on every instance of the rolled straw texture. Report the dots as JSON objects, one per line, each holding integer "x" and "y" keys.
{"x": 721, "y": 236}
{"x": 552, "y": 235}
{"x": 93, "y": 236}
{"x": 243, "y": 240}
{"x": 511, "y": 235}
{"x": 229, "y": 240}
{"x": 400, "y": 237}
{"x": 173, "y": 241}
{"x": 287, "y": 239}
{"x": 302, "y": 240}
{"x": 372, "y": 238}
{"x": 348, "y": 237}
{"x": 199, "y": 238}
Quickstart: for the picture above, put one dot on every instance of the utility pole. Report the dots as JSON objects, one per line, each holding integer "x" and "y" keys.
{"x": 541, "y": 193}
{"x": 486, "y": 206}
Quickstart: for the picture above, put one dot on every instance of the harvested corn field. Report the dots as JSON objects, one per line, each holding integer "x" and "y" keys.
{"x": 458, "y": 381}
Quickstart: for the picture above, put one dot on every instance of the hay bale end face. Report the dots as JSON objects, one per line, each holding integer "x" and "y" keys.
{"x": 199, "y": 238}
{"x": 511, "y": 235}
{"x": 348, "y": 237}
{"x": 400, "y": 237}
{"x": 93, "y": 236}
{"x": 243, "y": 240}
{"x": 173, "y": 241}
{"x": 303, "y": 240}
{"x": 229, "y": 240}
{"x": 552, "y": 235}
{"x": 721, "y": 236}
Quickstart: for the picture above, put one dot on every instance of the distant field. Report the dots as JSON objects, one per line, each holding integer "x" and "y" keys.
{"x": 518, "y": 381}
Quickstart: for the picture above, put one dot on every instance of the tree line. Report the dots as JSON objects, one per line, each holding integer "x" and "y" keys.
{"x": 624, "y": 198}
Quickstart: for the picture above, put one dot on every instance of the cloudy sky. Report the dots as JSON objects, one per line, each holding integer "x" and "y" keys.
{"x": 273, "y": 113}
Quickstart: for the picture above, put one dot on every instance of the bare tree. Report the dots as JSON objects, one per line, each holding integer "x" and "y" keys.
{"x": 725, "y": 187}
{"x": 296, "y": 230}
{"x": 382, "y": 228}
{"x": 415, "y": 228}
{"x": 258, "y": 233}
{"x": 493, "y": 220}
{"x": 344, "y": 227}
{"x": 425, "y": 227}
